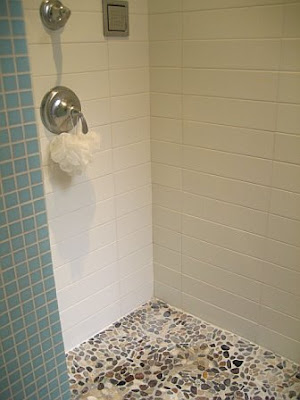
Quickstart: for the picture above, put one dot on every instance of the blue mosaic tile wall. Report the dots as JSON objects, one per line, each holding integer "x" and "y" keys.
{"x": 32, "y": 359}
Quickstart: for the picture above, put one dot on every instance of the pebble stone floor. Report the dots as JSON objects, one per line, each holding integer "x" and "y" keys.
{"x": 158, "y": 352}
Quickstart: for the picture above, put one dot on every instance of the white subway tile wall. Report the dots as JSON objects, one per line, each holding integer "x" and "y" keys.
{"x": 101, "y": 222}
{"x": 225, "y": 130}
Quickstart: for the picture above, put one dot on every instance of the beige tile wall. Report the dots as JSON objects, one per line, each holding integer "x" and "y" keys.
{"x": 100, "y": 222}
{"x": 225, "y": 129}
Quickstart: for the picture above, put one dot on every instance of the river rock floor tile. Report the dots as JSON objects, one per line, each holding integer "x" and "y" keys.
{"x": 158, "y": 352}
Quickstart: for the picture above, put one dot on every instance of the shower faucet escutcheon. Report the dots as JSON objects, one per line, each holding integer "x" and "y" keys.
{"x": 54, "y": 14}
{"x": 61, "y": 111}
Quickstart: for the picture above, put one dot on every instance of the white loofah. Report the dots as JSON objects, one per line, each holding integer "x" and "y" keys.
{"x": 73, "y": 151}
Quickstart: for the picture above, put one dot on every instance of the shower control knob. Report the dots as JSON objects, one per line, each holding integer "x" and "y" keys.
{"x": 54, "y": 14}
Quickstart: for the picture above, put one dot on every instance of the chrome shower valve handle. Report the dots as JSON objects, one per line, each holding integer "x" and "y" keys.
{"x": 54, "y": 14}
{"x": 79, "y": 115}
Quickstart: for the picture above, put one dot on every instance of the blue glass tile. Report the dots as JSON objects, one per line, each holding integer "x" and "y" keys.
{"x": 15, "y": 229}
{"x": 3, "y": 233}
{"x": 36, "y": 177}
{"x": 41, "y": 219}
{"x": 29, "y": 318}
{"x": 19, "y": 256}
{"x": 28, "y": 378}
{"x": 50, "y": 364}
{"x": 1, "y": 102}
{"x": 40, "y": 300}
{"x": 49, "y": 283}
{"x": 39, "y": 205}
{"x": 15, "y": 313}
{"x": 21, "y": 270}
{"x": 31, "y": 330}
{"x": 20, "y": 165}
{"x": 24, "y": 223}
{"x": 5, "y": 47}
{"x": 3, "y": 120}
{"x": 11, "y": 200}
{"x": 19, "y": 395}
{"x": 51, "y": 376}
{"x": 4, "y": 28}
{"x": 44, "y": 334}
{"x": 18, "y": 324}
{"x": 37, "y": 191}
{"x": 7, "y": 65}
{"x": 9, "y": 83}
{"x": 54, "y": 318}
{"x": 41, "y": 381}
{"x": 52, "y": 308}
{"x": 4, "y": 319}
{"x": 22, "y": 64}
{"x": 26, "y": 294}
{"x": 16, "y": 134}
{"x": 8, "y": 185}
{"x": 35, "y": 277}
{"x": 34, "y": 339}
{"x": 15, "y": 8}
{"x": 29, "y": 389}
{"x": 28, "y": 307}
{"x": 7, "y": 343}
{"x": 26, "y": 99}
{"x": 22, "y": 180}
{"x": 24, "y": 282}
{"x": 32, "y": 251}
{"x": 20, "y": 339}
{"x": 14, "y": 117}
{"x": 13, "y": 214}
{"x": 34, "y": 264}
{"x": 46, "y": 259}
{"x": 6, "y": 169}
{"x": 28, "y": 224}
{"x": 51, "y": 295}
{"x": 44, "y": 246}
{"x": 30, "y": 131}
{"x": 18, "y": 28}
{"x": 43, "y": 233}
{"x": 11, "y": 362}
{"x": 20, "y": 46}
{"x": 23, "y": 348}
{"x": 12, "y": 100}
{"x": 4, "y": 137}
{"x": 17, "y": 243}
{"x": 5, "y": 331}
{"x": 13, "y": 301}
{"x": 24, "y": 195}
{"x": 56, "y": 340}
{"x": 5, "y": 153}
{"x": 34, "y": 162}
{"x": 18, "y": 150}
{"x": 30, "y": 238}
{"x": 3, "y": 9}
{"x": 3, "y": 219}
{"x": 32, "y": 146}
{"x": 43, "y": 392}
{"x": 24, "y": 81}
{"x": 27, "y": 210}
{"x": 10, "y": 289}
{"x": 65, "y": 389}
{"x": 5, "y": 249}
{"x": 28, "y": 114}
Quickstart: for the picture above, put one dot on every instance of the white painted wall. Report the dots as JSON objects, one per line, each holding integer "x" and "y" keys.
{"x": 100, "y": 222}
{"x": 225, "y": 128}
